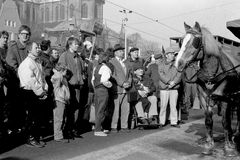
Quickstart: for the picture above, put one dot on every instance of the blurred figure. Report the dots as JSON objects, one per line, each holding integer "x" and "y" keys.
{"x": 34, "y": 88}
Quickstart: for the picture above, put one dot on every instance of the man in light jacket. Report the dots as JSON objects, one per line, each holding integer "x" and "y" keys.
{"x": 34, "y": 88}
{"x": 169, "y": 84}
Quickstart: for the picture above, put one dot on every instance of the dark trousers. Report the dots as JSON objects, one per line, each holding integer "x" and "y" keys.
{"x": 15, "y": 106}
{"x": 101, "y": 103}
{"x": 72, "y": 111}
{"x": 34, "y": 116}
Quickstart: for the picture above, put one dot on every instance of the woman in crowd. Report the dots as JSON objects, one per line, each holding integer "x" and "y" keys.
{"x": 101, "y": 83}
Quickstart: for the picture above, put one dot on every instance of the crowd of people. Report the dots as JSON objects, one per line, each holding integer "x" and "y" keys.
{"x": 40, "y": 83}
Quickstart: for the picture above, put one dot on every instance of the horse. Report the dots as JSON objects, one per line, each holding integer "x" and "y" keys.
{"x": 217, "y": 81}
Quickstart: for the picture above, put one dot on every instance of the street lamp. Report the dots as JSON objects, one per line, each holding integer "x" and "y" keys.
{"x": 124, "y": 21}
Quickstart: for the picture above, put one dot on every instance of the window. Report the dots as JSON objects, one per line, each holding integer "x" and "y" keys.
{"x": 33, "y": 14}
{"x": 42, "y": 14}
{"x": 84, "y": 11}
{"x": 62, "y": 12}
{"x": 71, "y": 11}
{"x": 96, "y": 11}
{"x": 47, "y": 14}
{"x": 56, "y": 12}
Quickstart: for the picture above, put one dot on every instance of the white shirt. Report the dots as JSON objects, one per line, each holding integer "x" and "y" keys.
{"x": 105, "y": 73}
{"x": 31, "y": 75}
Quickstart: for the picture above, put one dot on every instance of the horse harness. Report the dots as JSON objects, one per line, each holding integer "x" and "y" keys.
{"x": 208, "y": 84}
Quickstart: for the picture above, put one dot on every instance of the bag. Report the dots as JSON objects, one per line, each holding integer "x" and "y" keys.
{"x": 92, "y": 114}
{"x": 87, "y": 108}
{"x": 86, "y": 115}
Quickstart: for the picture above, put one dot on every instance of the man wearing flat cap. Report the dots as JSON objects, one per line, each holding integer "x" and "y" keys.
{"x": 133, "y": 58}
{"x": 168, "y": 85}
{"x": 121, "y": 82}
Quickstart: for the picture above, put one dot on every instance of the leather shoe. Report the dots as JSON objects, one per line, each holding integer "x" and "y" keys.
{"x": 69, "y": 135}
{"x": 181, "y": 122}
{"x": 114, "y": 130}
{"x": 34, "y": 143}
{"x": 77, "y": 135}
{"x": 161, "y": 126}
{"x": 125, "y": 130}
{"x": 175, "y": 125}
{"x": 62, "y": 140}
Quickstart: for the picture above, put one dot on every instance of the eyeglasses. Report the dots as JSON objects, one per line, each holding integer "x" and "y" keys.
{"x": 27, "y": 34}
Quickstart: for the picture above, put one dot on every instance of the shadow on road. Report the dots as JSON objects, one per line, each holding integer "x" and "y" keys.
{"x": 181, "y": 147}
{"x": 14, "y": 158}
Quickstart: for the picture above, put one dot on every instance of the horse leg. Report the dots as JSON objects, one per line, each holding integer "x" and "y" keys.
{"x": 236, "y": 137}
{"x": 204, "y": 103}
{"x": 229, "y": 147}
{"x": 209, "y": 135}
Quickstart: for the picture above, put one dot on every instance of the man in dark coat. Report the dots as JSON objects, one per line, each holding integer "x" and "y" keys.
{"x": 3, "y": 78}
{"x": 17, "y": 52}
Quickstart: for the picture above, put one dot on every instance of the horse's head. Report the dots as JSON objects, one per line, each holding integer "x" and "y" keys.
{"x": 191, "y": 46}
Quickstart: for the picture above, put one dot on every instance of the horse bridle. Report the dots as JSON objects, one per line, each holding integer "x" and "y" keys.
{"x": 197, "y": 43}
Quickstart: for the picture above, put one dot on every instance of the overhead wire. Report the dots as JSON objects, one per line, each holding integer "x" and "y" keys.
{"x": 158, "y": 20}
{"x": 158, "y": 37}
{"x": 200, "y": 10}
{"x": 142, "y": 15}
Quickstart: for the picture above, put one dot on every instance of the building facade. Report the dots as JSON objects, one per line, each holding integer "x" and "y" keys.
{"x": 52, "y": 16}
{"x": 9, "y": 18}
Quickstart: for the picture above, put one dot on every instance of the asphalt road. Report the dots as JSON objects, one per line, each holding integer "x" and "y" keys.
{"x": 151, "y": 144}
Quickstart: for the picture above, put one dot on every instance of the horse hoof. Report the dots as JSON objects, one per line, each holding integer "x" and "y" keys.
{"x": 230, "y": 153}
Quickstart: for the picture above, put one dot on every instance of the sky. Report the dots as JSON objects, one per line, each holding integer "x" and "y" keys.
{"x": 171, "y": 15}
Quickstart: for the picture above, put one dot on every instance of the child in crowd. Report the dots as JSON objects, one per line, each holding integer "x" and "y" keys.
{"x": 61, "y": 96}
